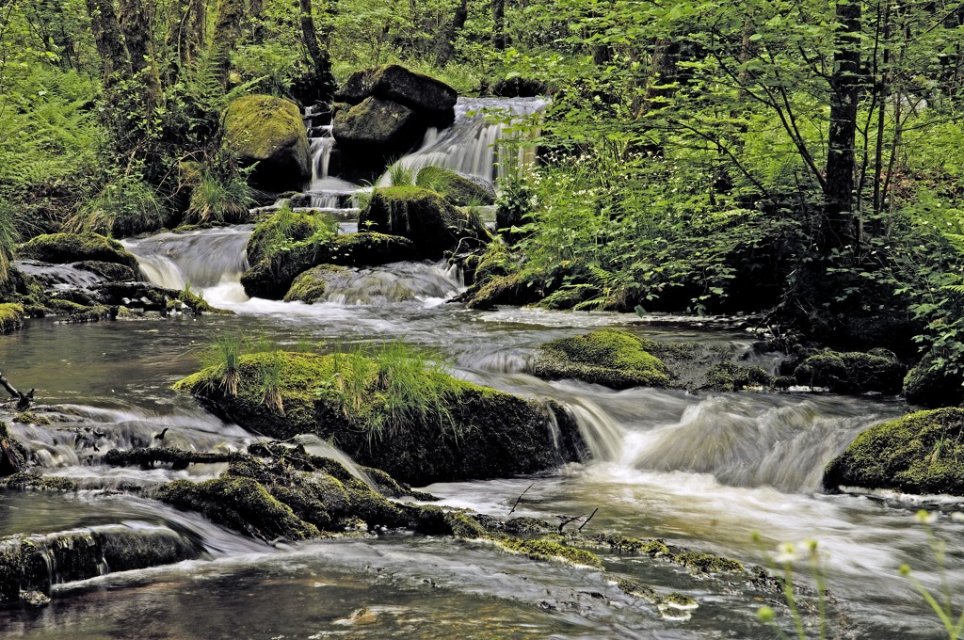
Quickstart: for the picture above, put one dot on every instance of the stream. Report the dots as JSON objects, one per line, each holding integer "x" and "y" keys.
{"x": 706, "y": 471}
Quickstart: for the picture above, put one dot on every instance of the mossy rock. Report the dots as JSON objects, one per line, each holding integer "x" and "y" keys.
{"x": 454, "y": 187}
{"x": 729, "y": 376}
{"x": 239, "y": 503}
{"x": 110, "y": 271}
{"x": 550, "y": 548}
{"x": 930, "y": 385}
{"x": 431, "y": 98}
{"x": 61, "y": 248}
{"x": 13, "y": 456}
{"x": 378, "y": 128}
{"x": 918, "y": 453}
{"x": 272, "y": 277}
{"x": 285, "y": 228}
{"x": 852, "y": 372}
{"x": 310, "y": 286}
{"x": 269, "y": 132}
{"x": 11, "y": 317}
{"x": 450, "y": 429}
{"x": 432, "y": 224}
{"x": 75, "y": 312}
{"x": 609, "y": 357}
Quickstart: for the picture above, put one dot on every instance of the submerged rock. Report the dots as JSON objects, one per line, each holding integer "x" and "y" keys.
{"x": 62, "y": 248}
{"x": 424, "y": 217}
{"x": 393, "y": 412}
{"x": 852, "y": 372}
{"x": 268, "y": 132}
{"x": 609, "y": 357}
{"x": 917, "y": 453}
{"x": 11, "y": 317}
{"x": 30, "y": 564}
{"x": 311, "y": 285}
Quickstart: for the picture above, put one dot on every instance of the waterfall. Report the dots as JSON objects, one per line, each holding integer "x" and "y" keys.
{"x": 59, "y": 276}
{"x": 320, "y": 158}
{"x": 470, "y": 145}
{"x": 200, "y": 259}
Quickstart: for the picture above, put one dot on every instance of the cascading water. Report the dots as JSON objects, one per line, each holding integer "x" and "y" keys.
{"x": 59, "y": 276}
{"x": 471, "y": 144}
{"x": 200, "y": 259}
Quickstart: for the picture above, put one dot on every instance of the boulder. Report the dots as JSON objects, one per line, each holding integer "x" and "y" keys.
{"x": 110, "y": 270}
{"x": 272, "y": 277}
{"x": 13, "y": 457}
{"x": 459, "y": 190}
{"x": 609, "y": 357}
{"x": 62, "y": 248}
{"x": 392, "y": 411}
{"x": 931, "y": 385}
{"x": 432, "y": 224}
{"x": 11, "y": 317}
{"x": 917, "y": 453}
{"x": 852, "y": 372}
{"x": 310, "y": 286}
{"x": 432, "y": 98}
{"x": 519, "y": 87}
{"x": 268, "y": 132}
{"x": 378, "y": 128}
{"x": 284, "y": 228}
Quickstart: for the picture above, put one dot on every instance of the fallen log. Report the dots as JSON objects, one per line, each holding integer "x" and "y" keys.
{"x": 23, "y": 399}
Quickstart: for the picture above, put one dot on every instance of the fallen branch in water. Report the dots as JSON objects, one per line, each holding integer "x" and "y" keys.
{"x": 588, "y": 519}
{"x": 23, "y": 400}
{"x": 519, "y": 499}
{"x": 564, "y": 520}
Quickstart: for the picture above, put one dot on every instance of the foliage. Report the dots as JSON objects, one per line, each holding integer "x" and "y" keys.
{"x": 221, "y": 194}
{"x": 125, "y": 206}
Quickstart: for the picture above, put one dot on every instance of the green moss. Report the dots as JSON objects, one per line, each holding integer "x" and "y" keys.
{"x": 31, "y": 417}
{"x": 932, "y": 383}
{"x": 852, "y": 372}
{"x": 638, "y": 590}
{"x": 549, "y": 549}
{"x": 11, "y": 317}
{"x": 428, "y": 220}
{"x": 678, "y": 601}
{"x": 78, "y": 312}
{"x": 921, "y": 452}
{"x": 707, "y": 562}
{"x": 32, "y": 481}
{"x": 259, "y": 126}
{"x": 454, "y": 187}
{"x": 609, "y": 357}
{"x": 284, "y": 228}
{"x": 391, "y": 409}
{"x": 242, "y": 504}
{"x": 728, "y": 376}
{"x": 310, "y": 285}
{"x": 72, "y": 247}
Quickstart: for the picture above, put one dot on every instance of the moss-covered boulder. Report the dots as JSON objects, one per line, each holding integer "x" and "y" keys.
{"x": 609, "y": 357}
{"x": 311, "y": 285}
{"x": 11, "y": 317}
{"x": 61, "y": 248}
{"x": 392, "y": 411}
{"x": 379, "y": 127}
{"x": 432, "y": 99}
{"x": 459, "y": 190}
{"x": 918, "y": 453}
{"x": 272, "y": 277}
{"x": 284, "y": 228}
{"x": 424, "y": 217}
{"x": 852, "y": 372}
{"x": 268, "y": 131}
{"x": 111, "y": 271}
{"x": 930, "y": 384}
{"x": 729, "y": 376}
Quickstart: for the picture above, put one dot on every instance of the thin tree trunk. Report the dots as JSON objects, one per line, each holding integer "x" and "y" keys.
{"x": 108, "y": 38}
{"x": 321, "y": 62}
{"x": 498, "y": 30}
{"x": 227, "y": 31}
{"x": 839, "y": 228}
{"x": 446, "y": 42}
{"x": 883, "y": 86}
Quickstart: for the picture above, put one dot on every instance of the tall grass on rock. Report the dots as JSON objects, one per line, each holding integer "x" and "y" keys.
{"x": 221, "y": 194}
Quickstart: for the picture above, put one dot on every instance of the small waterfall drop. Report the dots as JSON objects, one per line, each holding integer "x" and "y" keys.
{"x": 391, "y": 284}
{"x": 201, "y": 259}
{"x": 59, "y": 276}
{"x": 470, "y": 145}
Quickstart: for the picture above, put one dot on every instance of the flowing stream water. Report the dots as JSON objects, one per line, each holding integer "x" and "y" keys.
{"x": 707, "y": 471}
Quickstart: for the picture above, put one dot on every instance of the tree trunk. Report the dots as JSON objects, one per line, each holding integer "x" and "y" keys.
{"x": 839, "y": 225}
{"x": 324, "y": 87}
{"x": 227, "y": 31}
{"x": 135, "y": 23}
{"x": 446, "y": 41}
{"x": 108, "y": 38}
{"x": 188, "y": 29}
{"x": 498, "y": 30}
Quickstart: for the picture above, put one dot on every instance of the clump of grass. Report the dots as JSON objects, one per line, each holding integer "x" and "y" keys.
{"x": 272, "y": 381}
{"x": 225, "y": 354}
{"x": 125, "y": 206}
{"x": 220, "y": 195}
{"x": 287, "y": 228}
{"x": 400, "y": 175}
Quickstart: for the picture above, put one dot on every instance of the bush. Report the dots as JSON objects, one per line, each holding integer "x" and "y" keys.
{"x": 221, "y": 194}
{"x": 125, "y": 206}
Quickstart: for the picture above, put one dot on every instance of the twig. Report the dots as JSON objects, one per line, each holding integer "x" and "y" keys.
{"x": 519, "y": 499}
{"x": 588, "y": 519}
{"x": 564, "y": 520}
